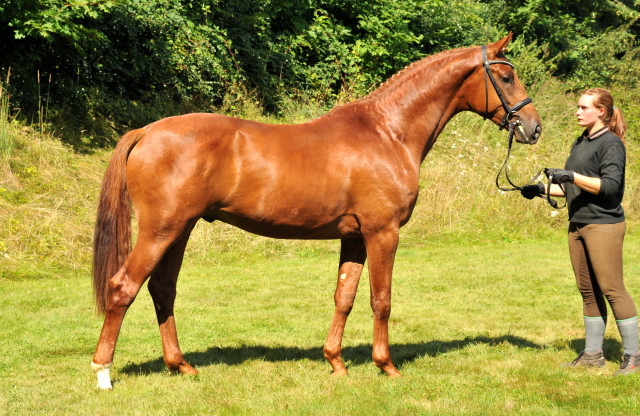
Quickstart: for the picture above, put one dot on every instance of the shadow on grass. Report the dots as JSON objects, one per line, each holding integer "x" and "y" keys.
{"x": 401, "y": 353}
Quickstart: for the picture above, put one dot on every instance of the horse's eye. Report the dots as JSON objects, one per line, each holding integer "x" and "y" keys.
{"x": 507, "y": 79}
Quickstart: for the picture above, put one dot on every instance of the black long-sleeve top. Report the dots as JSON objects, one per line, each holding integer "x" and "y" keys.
{"x": 601, "y": 155}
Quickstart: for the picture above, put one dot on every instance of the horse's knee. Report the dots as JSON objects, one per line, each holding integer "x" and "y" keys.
{"x": 344, "y": 306}
{"x": 344, "y": 298}
{"x": 381, "y": 308}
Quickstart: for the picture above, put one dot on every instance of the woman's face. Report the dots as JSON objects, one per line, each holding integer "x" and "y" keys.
{"x": 588, "y": 115}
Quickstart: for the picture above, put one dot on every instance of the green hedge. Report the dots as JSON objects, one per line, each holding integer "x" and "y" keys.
{"x": 120, "y": 64}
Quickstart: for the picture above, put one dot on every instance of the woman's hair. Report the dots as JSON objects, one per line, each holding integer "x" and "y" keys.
{"x": 613, "y": 117}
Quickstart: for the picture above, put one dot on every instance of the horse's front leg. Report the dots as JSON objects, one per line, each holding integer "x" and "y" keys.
{"x": 352, "y": 257}
{"x": 381, "y": 250}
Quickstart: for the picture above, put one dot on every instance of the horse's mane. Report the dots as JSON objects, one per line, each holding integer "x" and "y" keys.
{"x": 399, "y": 77}
{"x": 409, "y": 70}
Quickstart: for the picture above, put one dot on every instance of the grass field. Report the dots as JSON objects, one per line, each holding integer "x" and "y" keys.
{"x": 476, "y": 328}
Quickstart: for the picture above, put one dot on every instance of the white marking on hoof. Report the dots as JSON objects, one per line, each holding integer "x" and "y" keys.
{"x": 343, "y": 276}
{"x": 103, "y": 371}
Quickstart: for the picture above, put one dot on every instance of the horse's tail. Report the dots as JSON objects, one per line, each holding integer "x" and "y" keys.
{"x": 112, "y": 234}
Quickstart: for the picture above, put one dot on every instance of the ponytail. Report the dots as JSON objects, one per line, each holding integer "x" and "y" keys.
{"x": 617, "y": 124}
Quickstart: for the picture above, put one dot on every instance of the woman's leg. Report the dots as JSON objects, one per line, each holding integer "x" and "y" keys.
{"x": 593, "y": 303}
{"x": 604, "y": 247}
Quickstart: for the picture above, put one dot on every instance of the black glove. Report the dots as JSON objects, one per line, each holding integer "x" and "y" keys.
{"x": 560, "y": 175}
{"x": 531, "y": 191}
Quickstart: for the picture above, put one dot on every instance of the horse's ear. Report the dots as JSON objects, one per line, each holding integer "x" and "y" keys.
{"x": 500, "y": 47}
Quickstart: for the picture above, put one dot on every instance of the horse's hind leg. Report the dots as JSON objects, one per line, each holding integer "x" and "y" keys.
{"x": 162, "y": 287}
{"x": 352, "y": 257}
{"x": 123, "y": 289}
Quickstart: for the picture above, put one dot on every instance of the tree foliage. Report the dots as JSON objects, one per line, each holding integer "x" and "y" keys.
{"x": 117, "y": 64}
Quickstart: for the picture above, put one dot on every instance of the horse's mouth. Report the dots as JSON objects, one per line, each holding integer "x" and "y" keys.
{"x": 527, "y": 136}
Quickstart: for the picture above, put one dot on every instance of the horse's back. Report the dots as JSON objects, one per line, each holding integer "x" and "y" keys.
{"x": 212, "y": 142}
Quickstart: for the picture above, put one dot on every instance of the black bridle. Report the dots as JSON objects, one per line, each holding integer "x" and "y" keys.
{"x": 510, "y": 118}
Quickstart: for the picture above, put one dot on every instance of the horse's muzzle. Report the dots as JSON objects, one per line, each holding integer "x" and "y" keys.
{"x": 528, "y": 133}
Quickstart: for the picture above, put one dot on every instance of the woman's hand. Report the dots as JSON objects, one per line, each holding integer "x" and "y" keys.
{"x": 560, "y": 175}
{"x": 531, "y": 191}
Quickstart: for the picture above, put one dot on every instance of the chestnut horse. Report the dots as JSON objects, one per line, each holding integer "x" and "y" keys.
{"x": 351, "y": 174}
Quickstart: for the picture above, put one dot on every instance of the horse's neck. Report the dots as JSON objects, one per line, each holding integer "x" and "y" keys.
{"x": 417, "y": 105}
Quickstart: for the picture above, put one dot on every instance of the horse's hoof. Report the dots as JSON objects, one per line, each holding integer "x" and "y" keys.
{"x": 185, "y": 368}
{"x": 390, "y": 370}
{"x": 104, "y": 388}
{"x": 340, "y": 373}
{"x": 103, "y": 372}
{"x": 395, "y": 374}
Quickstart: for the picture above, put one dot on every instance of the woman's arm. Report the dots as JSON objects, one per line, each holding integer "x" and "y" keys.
{"x": 554, "y": 189}
{"x": 587, "y": 183}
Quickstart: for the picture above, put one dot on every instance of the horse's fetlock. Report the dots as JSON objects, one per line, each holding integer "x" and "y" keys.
{"x": 174, "y": 360}
{"x": 381, "y": 360}
{"x": 103, "y": 374}
{"x": 171, "y": 365}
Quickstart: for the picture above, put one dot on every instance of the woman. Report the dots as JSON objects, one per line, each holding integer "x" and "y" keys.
{"x": 593, "y": 179}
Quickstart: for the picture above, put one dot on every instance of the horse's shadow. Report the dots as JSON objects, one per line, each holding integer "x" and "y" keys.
{"x": 356, "y": 355}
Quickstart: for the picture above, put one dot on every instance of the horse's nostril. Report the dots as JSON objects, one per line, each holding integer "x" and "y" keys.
{"x": 538, "y": 130}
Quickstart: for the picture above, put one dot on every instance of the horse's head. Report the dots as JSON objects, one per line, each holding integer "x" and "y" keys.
{"x": 495, "y": 92}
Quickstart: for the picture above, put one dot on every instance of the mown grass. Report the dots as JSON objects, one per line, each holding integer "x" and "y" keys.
{"x": 484, "y": 304}
{"x": 476, "y": 329}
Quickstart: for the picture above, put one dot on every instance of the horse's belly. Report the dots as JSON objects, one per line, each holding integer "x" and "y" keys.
{"x": 344, "y": 226}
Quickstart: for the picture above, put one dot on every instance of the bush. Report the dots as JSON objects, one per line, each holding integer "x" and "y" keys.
{"x": 584, "y": 43}
{"x": 117, "y": 65}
